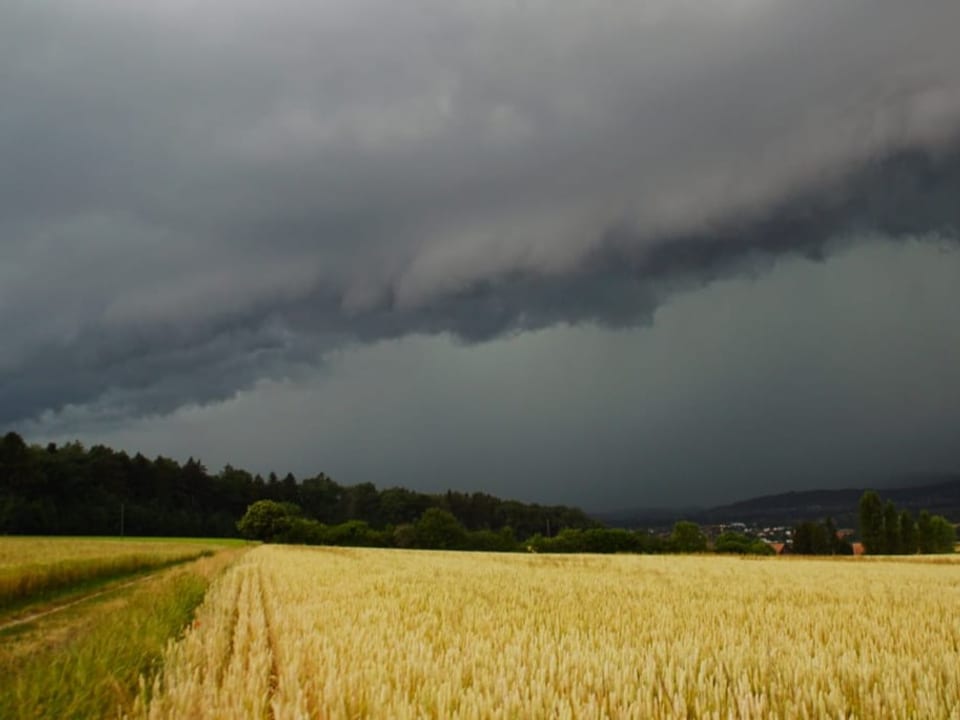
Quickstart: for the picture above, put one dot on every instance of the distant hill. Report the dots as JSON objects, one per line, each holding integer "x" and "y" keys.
{"x": 939, "y": 494}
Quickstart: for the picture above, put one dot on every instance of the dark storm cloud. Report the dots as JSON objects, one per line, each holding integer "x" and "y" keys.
{"x": 157, "y": 367}
{"x": 810, "y": 374}
{"x": 197, "y": 196}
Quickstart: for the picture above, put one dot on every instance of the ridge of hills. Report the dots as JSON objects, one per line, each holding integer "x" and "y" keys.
{"x": 939, "y": 494}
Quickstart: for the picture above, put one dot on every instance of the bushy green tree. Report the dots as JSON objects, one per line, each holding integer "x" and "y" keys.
{"x": 731, "y": 542}
{"x": 399, "y": 506}
{"x": 609, "y": 540}
{"x": 502, "y": 540}
{"x": 943, "y": 533}
{"x": 353, "y": 533}
{"x": 404, "y": 536}
{"x": 267, "y": 520}
{"x": 687, "y": 537}
{"x": 649, "y": 542}
{"x": 439, "y": 529}
{"x": 568, "y": 540}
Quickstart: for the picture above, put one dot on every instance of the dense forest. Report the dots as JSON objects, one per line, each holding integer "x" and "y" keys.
{"x": 72, "y": 490}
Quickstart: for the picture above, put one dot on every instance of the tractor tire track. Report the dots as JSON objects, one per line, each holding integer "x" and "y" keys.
{"x": 274, "y": 676}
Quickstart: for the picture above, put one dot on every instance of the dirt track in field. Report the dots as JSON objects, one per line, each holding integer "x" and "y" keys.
{"x": 34, "y": 616}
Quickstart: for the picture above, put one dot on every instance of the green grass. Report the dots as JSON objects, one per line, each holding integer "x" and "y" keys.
{"x": 94, "y": 672}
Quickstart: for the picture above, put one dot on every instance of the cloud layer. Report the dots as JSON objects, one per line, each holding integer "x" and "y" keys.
{"x": 198, "y": 196}
{"x": 810, "y": 374}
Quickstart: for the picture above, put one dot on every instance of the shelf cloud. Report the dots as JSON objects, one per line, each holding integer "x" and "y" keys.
{"x": 197, "y": 197}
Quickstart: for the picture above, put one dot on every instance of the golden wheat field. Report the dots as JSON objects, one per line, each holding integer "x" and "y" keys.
{"x": 348, "y": 633}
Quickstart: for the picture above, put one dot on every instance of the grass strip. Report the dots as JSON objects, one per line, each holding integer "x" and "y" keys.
{"x": 27, "y": 584}
{"x": 95, "y": 673}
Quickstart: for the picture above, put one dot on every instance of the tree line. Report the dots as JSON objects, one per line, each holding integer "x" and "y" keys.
{"x": 439, "y": 529}
{"x": 884, "y": 530}
{"x": 819, "y": 538}
{"x": 72, "y": 490}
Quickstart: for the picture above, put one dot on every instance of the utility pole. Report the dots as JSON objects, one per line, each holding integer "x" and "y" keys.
{"x": 121, "y": 519}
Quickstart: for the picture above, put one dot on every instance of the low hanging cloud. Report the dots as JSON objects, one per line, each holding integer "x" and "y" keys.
{"x": 198, "y": 196}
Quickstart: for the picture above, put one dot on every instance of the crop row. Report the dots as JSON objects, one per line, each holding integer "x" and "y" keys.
{"x": 302, "y": 633}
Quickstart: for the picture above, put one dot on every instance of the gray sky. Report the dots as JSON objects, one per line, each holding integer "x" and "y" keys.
{"x": 608, "y": 253}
